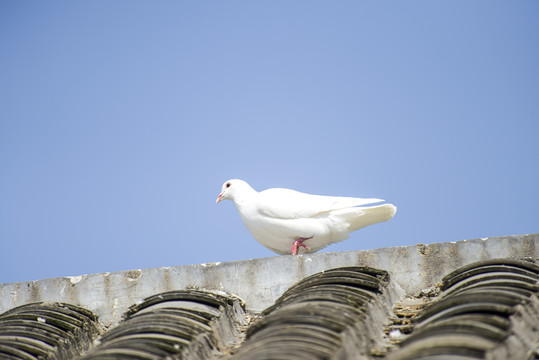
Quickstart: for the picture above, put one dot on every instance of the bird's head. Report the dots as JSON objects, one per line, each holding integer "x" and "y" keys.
{"x": 231, "y": 189}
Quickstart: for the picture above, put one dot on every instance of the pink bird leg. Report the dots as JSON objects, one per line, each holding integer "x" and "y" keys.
{"x": 298, "y": 243}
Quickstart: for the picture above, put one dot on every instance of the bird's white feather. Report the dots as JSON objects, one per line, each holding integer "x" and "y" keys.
{"x": 291, "y": 204}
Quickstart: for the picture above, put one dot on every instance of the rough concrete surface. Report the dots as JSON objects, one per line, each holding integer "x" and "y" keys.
{"x": 261, "y": 281}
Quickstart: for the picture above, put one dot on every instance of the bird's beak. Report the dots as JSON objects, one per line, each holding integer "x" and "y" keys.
{"x": 219, "y": 198}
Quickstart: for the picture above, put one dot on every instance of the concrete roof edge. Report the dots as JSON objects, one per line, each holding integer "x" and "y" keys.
{"x": 260, "y": 281}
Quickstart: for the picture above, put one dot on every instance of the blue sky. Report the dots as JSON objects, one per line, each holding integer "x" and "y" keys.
{"x": 120, "y": 121}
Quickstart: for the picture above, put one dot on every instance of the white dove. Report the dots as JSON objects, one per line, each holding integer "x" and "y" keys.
{"x": 289, "y": 222}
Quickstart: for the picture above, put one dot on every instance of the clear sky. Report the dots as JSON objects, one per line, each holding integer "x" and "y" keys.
{"x": 120, "y": 121}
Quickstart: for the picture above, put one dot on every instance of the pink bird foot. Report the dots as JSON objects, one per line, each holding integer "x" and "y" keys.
{"x": 298, "y": 243}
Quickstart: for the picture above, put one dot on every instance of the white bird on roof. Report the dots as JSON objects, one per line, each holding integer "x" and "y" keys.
{"x": 290, "y": 222}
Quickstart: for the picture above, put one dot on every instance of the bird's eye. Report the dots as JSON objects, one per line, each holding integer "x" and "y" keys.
{"x": 228, "y": 185}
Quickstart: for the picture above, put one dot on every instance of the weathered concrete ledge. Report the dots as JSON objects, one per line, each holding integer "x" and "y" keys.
{"x": 261, "y": 281}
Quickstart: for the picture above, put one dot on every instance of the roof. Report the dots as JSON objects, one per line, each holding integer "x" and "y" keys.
{"x": 484, "y": 308}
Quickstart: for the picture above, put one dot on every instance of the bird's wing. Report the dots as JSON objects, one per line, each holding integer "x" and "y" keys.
{"x": 291, "y": 204}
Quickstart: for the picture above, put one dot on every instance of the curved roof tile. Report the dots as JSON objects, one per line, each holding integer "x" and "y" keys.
{"x": 175, "y": 324}
{"x": 474, "y": 314}
{"x": 308, "y": 320}
{"x": 46, "y": 330}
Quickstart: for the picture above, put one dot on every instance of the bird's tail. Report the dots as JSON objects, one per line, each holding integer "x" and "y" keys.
{"x": 359, "y": 217}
